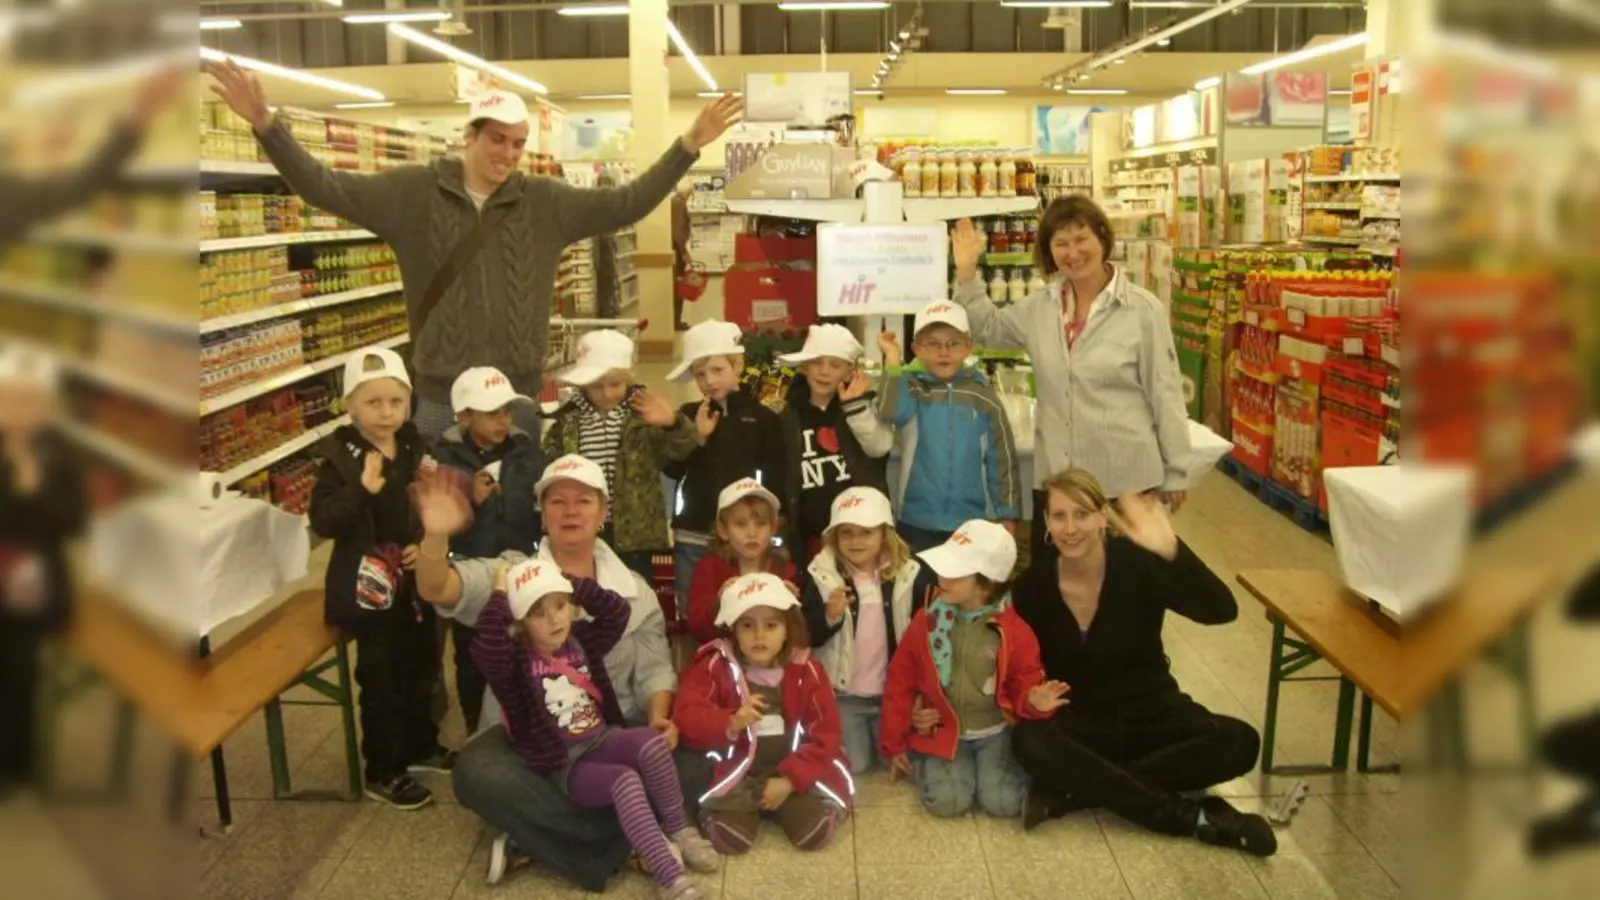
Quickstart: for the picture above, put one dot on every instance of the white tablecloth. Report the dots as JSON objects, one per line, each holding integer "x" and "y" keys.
{"x": 1400, "y": 533}
{"x": 188, "y": 570}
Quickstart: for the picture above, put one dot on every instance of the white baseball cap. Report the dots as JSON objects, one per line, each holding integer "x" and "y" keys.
{"x": 532, "y": 580}
{"x": 599, "y": 352}
{"x": 942, "y": 312}
{"x": 745, "y": 487}
{"x": 714, "y": 338}
{"x": 573, "y": 467}
{"x": 825, "y": 340}
{"x": 23, "y": 365}
{"x": 484, "y": 389}
{"x": 370, "y": 365}
{"x": 863, "y": 507}
{"x": 978, "y": 547}
{"x": 501, "y": 106}
{"x": 750, "y": 591}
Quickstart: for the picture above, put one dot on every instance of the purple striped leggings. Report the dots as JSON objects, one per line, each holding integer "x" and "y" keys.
{"x": 632, "y": 770}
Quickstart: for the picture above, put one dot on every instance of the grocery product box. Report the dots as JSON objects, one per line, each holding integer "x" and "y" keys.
{"x": 796, "y": 172}
{"x": 1252, "y": 446}
{"x": 766, "y": 299}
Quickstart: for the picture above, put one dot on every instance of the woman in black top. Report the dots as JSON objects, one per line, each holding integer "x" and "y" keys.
{"x": 1130, "y": 741}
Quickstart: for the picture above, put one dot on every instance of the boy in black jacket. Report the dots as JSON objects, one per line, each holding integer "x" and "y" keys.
{"x": 832, "y": 435}
{"x": 738, "y": 438}
{"x": 503, "y": 463}
{"x": 41, "y": 507}
{"x": 361, "y": 501}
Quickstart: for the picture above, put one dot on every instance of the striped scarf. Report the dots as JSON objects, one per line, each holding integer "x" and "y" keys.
{"x": 600, "y": 437}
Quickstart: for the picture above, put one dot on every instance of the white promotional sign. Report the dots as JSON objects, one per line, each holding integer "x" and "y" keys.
{"x": 872, "y": 270}
{"x": 797, "y": 98}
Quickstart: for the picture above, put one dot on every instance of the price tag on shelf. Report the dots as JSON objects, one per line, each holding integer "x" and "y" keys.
{"x": 1297, "y": 317}
{"x": 1251, "y": 317}
{"x": 1354, "y": 346}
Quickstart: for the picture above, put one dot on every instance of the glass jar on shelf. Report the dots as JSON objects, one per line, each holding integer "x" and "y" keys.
{"x": 966, "y": 174}
{"x": 1007, "y": 164}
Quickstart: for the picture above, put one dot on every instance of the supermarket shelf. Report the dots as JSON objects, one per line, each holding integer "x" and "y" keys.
{"x": 1378, "y": 214}
{"x": 1381, "y": 249}
{"x": 1391, "y": 402}
{"x": 1331, "y": 239}
{"x": 1369, "y": 176}
{"x": 284, "y": 379}
{"x": 220, "y": 323}
{"x": 136, "y": 242}
{"x": 119, "y": 452}
{"x": 1340, "y": 207}
{"x": 917, "y": 209}
{"x": 228, "y": 167}
{"x": 112, "y": 309}
{"x": 110, "y": 378}
{"x": 282, "y": 451}
{"x": 279, "y": 240}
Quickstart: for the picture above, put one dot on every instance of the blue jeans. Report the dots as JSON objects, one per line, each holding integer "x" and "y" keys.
{"x": 585, "y": 846}
{"x": 684, "y": 559}
{"x": 983, "y": 769}
{"x": 858, "y": 719}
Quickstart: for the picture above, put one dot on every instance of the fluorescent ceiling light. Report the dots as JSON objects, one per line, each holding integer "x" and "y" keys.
{"x": 373, "y": 105}
{"x": 974, "y": 92}
{"x": 1207, "y": 83}
{"x": 699, "y": 68}
{"x": 829, "y": 5}
{"x": 266, "y": 68}
{"x": 1107, "y": 91}
{"x": 1041, "y": 4}
{"x": 868, "y": 93}
{"x": 220, "y": 24}
{"x": 593, "y": 10}
{"x": 1300, "y": 56}
{"x": 387, "y": 17}
{"x": 1338, "y": 92}
{"x": 450, "y": 51}
{"x": 1164, "y": 42}
{"x": 604, "y": 96}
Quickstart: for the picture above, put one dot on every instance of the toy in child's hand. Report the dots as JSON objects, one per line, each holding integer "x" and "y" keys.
{"x": 889, "y": 343}
{"x": 1049, "y": 696}
{"x": 372, "y": 472}
{"x": 653, "y": 409}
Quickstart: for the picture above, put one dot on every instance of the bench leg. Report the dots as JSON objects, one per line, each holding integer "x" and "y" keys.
{"x": 277, "y": 750}
{"x": 1270, "y": 730}
{"x": 347, "y": 709}
{"x": 1341, "y": 727}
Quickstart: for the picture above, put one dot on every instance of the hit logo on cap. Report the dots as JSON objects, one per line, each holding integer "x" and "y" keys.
{"x": 525, "y": 576}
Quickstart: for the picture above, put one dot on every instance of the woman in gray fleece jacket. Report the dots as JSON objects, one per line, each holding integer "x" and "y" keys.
{"x": 497, "y": 312}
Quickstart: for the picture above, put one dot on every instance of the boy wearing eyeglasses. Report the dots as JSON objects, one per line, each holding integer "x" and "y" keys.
{"x": 966, "y": 430}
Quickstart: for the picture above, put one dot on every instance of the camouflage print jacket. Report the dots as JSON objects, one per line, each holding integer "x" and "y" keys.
{"x": 638, "y": 502}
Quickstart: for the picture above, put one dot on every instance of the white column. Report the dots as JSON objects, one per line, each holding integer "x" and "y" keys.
{"x": 397, "y": 46}
{"x": 648, "y": 83}
{"x": 732, "y": 31}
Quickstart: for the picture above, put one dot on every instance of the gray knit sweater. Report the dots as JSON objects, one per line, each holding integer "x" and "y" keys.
{"x": 498, "y": 311}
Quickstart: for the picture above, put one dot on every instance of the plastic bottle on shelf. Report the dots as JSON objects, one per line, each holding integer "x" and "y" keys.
{"x": 966, "y": 174}
{"x": 1036, "y": 282}
{"x": 930, "y": 173}
{"x": 1026, "y": 180}
{"x": 988, "y": 174}
{"x": 1008, "y": 173}
{"x": 1018, "y": 288}
{"x": 911, "y": 172}
{"x": 999, "y": 236}
{"x": 949, "y": 175}
{"x": 999, "y": 289}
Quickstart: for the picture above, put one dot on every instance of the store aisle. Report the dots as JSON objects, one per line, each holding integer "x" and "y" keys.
{"x": 1343, "y": 843}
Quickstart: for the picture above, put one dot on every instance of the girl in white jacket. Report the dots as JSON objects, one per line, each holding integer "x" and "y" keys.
{"x": 863, "y": 588}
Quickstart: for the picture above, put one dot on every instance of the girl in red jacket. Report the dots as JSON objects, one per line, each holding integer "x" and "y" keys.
{"x": 972, "y": 660}
{"x": 762, "y": 709}
{"x": 747, "y": 518}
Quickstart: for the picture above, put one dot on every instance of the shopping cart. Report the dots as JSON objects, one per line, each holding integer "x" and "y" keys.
{"x": 562, "y": 350}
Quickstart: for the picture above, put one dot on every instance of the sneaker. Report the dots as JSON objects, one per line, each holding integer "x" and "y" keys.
{"x": 502, "y": 856}
{"x": 1576, "y": 827}
{"x": 682, "y": 889}
{"x": 1227, "y": 827}
{"x": 400, "y": 792}
{"x": 439, "y": 762}
{"x": 697, "y": 852}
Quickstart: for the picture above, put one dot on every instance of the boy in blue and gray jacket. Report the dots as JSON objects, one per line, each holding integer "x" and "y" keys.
{"x": 952, "y": 427}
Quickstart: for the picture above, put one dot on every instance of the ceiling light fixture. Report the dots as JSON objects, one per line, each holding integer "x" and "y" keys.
{"x": 974, "y": 92}
{"x": 1164, "y": 42}
{"x": 605, "y": 96}
{"x": 1105, "y": 91}
{"x": 450, "y": 51}
{"x": 266, "y": 68}
{"x": 688, "y": 55}
{"x": 387, "y": 17}
{"x": 593, "y": 10}
{"x": 220, "y": 24}
{"x": 1043, "y": 4}
{"x": 831, "y": 5}
{"x": 863, "y": 92}
{"x": 1164, "y": 30}
{"x": 1299, "y": 56}
{"x": 1205, "y": 84}
{"x": 364, "y": 105}
{"x": 905, "y": 42}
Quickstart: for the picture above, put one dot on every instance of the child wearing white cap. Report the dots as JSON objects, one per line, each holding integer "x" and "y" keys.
{"x": 631, "y": 432}
{"x": 863, "y": 589}
{"x": 502, "y": 462}
{"x": 547, "y": 667}
{"x": 360, "y": 502}
{"x": 737, "y": 438}
{"x": 832, "y": 433}
{"x": 748, "y": 518}
{"x": 756, "y": 701}
{"x": 967, "y": 468}
{"x": 971, "y": 659}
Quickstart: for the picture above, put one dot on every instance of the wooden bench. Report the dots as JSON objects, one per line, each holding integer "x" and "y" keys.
{"x": 199, "y": 701}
